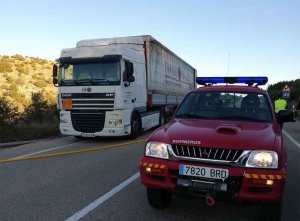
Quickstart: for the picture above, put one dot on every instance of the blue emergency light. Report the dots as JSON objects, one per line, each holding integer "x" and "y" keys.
{"x": 232, "y": 80}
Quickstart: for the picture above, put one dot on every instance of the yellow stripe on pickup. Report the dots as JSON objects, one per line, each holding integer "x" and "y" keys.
{"x": 264, "y": 177}
{"x": 151, "y": 165}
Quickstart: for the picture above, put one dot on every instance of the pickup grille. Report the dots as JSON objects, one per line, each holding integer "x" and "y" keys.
{"x": 88, "y": 122}
{"x": 207, "y": 153}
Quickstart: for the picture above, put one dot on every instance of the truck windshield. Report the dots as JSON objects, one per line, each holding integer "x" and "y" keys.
{"x": 107, "y": 73}
{"x": 226, "y": 106}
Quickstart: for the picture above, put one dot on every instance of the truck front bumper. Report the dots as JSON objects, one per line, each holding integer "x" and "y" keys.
{"x": 106, "y": 132}
{"x": 244, "y": 184}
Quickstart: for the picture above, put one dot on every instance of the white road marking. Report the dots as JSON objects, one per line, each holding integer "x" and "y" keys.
{"x": 103, "y": 198}
{"x": 43, "y": 151}
{"x": 291, "y": 139}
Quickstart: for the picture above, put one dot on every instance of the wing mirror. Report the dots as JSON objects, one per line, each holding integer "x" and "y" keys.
{"x": 54, "y": 74}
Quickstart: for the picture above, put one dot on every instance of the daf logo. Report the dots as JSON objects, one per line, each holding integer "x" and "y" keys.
{"x": 66, "y": 95}
{"x": 86, "y": 89}
{"x": 109, "y": 95}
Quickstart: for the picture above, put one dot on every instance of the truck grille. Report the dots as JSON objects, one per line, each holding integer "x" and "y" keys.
{"x": 207, "y": 153}
{"x": 88, "y": 122}
{"x": 101, "y": 104}
{"x": 96, "y": 101}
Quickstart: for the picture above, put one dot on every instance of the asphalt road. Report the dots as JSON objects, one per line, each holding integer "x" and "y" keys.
{"x": 102, "y": 183}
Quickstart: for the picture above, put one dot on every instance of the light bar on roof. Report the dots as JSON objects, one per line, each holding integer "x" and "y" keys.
{"x": 232, "y": 80}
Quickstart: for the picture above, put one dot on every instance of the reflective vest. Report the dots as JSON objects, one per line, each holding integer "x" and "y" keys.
{"x": 280, "y": 105}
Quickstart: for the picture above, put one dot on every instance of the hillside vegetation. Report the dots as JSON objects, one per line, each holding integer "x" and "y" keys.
{"x": 27, "y": 99}
{"x": 21, "y": 76}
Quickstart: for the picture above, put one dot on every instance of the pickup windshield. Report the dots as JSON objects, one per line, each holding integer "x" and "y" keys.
{"x": 226, "y": 106}
{"x": 106, "y": 73}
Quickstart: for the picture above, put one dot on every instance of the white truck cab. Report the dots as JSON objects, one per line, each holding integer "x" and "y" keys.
{"x": 104, "y": 88}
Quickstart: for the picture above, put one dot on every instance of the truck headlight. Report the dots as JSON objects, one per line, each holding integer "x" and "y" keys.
{"x": 157, "y": 149}
{"x": 263, "y": 159}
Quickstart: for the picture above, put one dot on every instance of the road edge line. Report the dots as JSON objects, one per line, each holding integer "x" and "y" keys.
{"x": 43, "y": 151}
{"x": 70, "y": 152}
{"x": 81, "y": 213}
{"x": 291, "y": 139}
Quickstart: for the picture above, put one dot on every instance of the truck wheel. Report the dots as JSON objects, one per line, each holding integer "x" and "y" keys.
{"x": 159, "y": 198}
{"x": 135, "y": 127}
{"x": 271, "y": 212}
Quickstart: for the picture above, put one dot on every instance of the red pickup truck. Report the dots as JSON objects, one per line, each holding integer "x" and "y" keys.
{"x": 223, "y": 142}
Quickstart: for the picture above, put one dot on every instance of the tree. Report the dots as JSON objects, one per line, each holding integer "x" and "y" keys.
{"x": 38, "y": 109}
{"x": 8, "y": 114}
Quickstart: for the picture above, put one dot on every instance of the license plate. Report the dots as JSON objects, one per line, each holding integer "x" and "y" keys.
{"x": 207, "y": 172}
{"x": 88, "y": 134}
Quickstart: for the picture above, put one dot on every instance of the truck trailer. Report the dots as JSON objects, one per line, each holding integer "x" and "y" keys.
{"x": 118, "y": 86}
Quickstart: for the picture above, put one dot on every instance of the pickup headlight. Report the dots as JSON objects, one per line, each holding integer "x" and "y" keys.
{"x": 263, "y": 159}
{"x": 157, "y": 149}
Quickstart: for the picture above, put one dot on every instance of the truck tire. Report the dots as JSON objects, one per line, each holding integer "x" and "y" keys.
{"x": 159, "y": 198}
{"x": 271, "y": 212}
{"x": 135, "y": 126}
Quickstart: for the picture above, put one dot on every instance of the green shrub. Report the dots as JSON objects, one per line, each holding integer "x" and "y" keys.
{"x": 36, "y": 111}
{"x": 5, "y": 67}
{"x": 19, "y": 57}
{"x": 10, "y": 79}
{"x": 40, "y": 83}
{"x": 8, "y": 114}
{"x": 23, "y": 70}
{"x": 4, "y": 87}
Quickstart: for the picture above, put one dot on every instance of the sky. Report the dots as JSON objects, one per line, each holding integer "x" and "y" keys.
{"x": 217, "y": 37}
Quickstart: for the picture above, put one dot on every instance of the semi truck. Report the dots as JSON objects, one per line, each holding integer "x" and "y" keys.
{"x": 119, "y": 86}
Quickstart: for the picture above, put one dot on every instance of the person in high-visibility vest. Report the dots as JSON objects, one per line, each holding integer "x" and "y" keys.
{"x": 279, "y": 104}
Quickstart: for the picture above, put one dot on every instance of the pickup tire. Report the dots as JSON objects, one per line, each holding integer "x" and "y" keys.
{"x": 271, "y": 212}
{"x": 159, "y": 198}
{"x": 135, "y": 126}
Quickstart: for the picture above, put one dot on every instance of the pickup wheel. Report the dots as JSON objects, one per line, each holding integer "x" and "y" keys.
{"x": 271, "y": 212}
{"x": 135, "y": 127}
{"x": 159, "y": 198}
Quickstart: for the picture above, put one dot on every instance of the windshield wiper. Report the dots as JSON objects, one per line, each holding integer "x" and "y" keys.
{"x": 187, "y": 116}
{"x": 68, "y": 82}
{"x": 245, "y": 118}
{"x": 100, "y": 80}
{"x": 83, "y": 81}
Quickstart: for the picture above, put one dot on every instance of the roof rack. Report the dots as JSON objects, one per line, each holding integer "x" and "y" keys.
{"x": 250, "y": 81}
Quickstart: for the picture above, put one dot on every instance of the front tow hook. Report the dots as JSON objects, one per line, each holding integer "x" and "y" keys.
{"x": 210, "y": 201}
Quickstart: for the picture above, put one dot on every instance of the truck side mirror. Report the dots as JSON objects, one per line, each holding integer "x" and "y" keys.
{"x": 54, "y": 75}
{"x": 130, "y": 70}
{"x": 128, "y": 73}
{"x": 54, "y": 70}
{"x": 55, "y": 81}
{"x": 131, "y": 78}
